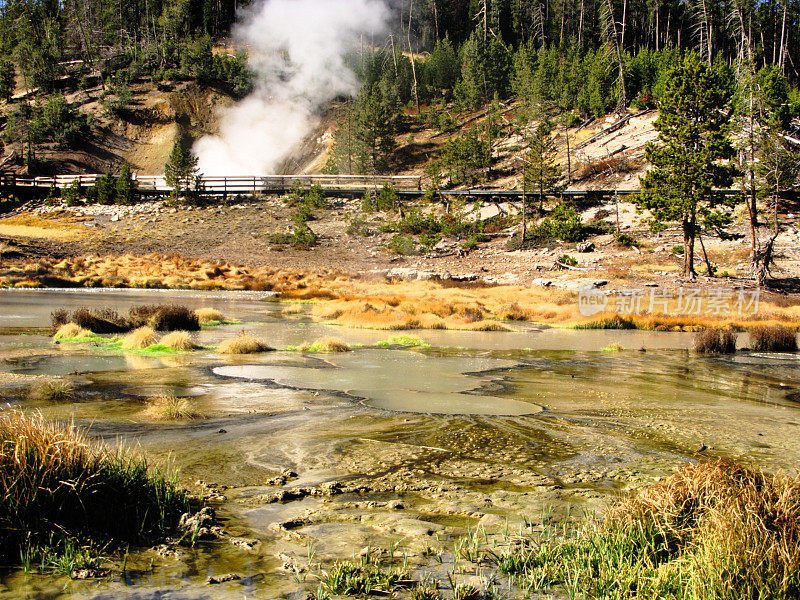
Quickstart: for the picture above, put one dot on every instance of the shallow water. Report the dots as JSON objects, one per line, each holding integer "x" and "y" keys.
{"x": 480, "y": 429}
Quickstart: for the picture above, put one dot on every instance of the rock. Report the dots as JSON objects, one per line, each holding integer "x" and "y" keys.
{"x": 599, "y": 283}
{"x": 585, "y": 247}
{"x": 114, "y": 218}
{"x": 89, "y": 573}
{"x": 223, "y": 578}
{"x": 198, "y": 525}
{"x": 276, "y": 481}
{"x": 244, "y": 543}
{"x": 288, "y": 473}
{"x": 395, "y": 505}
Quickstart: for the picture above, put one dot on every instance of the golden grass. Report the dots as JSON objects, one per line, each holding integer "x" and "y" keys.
{"x": 72, "y": 331}
{"x": 166, "y": 407}
{"x": 207, "y": 314}
{"x": 732, "y": 519}
{"x": 52, "y": 390}
{"x": 384, "y": 305}
{"x": 324, "y": 345}
{"x": 32, "y": 226}
{"x": 488, "y": 326}
{"x": 178, "y": 340}
{"x": 138, "y": 339}
{"x": 292, "y": 309}
{"x": 243, "y": 343}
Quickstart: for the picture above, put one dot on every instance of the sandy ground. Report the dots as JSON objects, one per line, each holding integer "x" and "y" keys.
{"x": 239, "y": 234}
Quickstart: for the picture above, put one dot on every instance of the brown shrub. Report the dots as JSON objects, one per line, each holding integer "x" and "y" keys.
{"x": 773, "y": 339}
{"x": 715, "y": 341}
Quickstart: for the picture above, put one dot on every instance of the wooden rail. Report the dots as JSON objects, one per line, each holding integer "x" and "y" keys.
{"x": 237, "y": 184}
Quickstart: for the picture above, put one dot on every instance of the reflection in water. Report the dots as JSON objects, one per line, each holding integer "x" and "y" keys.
{"x": 472, "y": 444}
{"x": 397, "y": 380}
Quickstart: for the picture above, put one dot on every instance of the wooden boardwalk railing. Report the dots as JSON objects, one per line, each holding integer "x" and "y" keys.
{"x": 237, "y": 184}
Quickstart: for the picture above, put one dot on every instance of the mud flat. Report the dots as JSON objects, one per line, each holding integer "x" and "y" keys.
{"x": 406, "y": 452}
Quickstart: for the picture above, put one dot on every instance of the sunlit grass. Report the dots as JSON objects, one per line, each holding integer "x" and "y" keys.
{"x": 715, "y": 530}
{"x": 59, "y": 490}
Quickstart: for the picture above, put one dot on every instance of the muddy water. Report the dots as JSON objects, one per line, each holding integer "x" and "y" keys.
{"x": 393, "y": 448}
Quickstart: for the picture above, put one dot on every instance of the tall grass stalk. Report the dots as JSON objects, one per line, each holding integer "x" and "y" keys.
{"x": 60, "y": 491}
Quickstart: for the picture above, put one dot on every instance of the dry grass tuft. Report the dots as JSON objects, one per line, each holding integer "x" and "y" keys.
{"x": 139, "y": 339}
{"x": 715, "y": 341}
{"x": 244, "y": 343}
{"x": 71, "y": 331}
{"x": 773, "y": 339}
{"x": 732, "y": 522}
{"x": 512, "y": 312}
{"x": 167, "y": 407}
{"x": 207, "y": 315}
{"x": 324, "y": 345}
{"x": 292, "y": 309}
{"x": 488, "y": 326}
{"x": 52, "y": 390}
{"x": 178, "y": 340}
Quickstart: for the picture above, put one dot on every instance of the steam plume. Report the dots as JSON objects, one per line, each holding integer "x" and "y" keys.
{"x": 296, "y": 48}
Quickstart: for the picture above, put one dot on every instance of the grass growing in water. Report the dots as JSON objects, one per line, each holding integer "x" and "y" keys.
{"x": 244, "y": 343}
{"x": 363, "y": 577}
{"x": 58, "y": 490}
{"x": 206, "y": 314}
{"x": 715, "y": 530}
{"x": 178, "y": 340}
{"x": 324, "y": 345}
{"x": 773, "y": 339}
{"x": 167, "y": 407}
{"x": 715, "y": 341}
{"x": 612, "y": 348}
{"x": 404, "y": 340}
{"x": 72, "y": 331}
{"x": 52, "y": 390}
{"x": 139, "y": 339}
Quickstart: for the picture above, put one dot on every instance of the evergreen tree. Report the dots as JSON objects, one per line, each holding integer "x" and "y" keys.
{"x": 7, "y": 78}
{"x": 375, "y": 117}
{"x": 693, "y": 131}
{"x": 124, "y": 185}
{"x": 542, "y": 171}
{"x": 181, "y": 168}
{"x": 466, "y": 157}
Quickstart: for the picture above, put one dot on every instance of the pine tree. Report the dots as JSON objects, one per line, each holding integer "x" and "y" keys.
{"x": 7, "y": 78}
{"x": 693, "y": 131}
{"x": 180, "y": 168}
{"x": 124, "y": 185}
{"x": 542, "y": 171}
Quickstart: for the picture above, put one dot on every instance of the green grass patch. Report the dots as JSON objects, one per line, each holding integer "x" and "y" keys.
{"x": 404, "y": 340}
{"x": 63, "y": 497}
{"x": 98, "y": 339}
{"x": 612, "y": 348}
{"x": 114, "y": 344}
{"x": 210, "y": 324}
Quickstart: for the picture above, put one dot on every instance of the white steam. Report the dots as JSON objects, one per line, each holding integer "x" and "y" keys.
{"x": 296, "y": 48}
